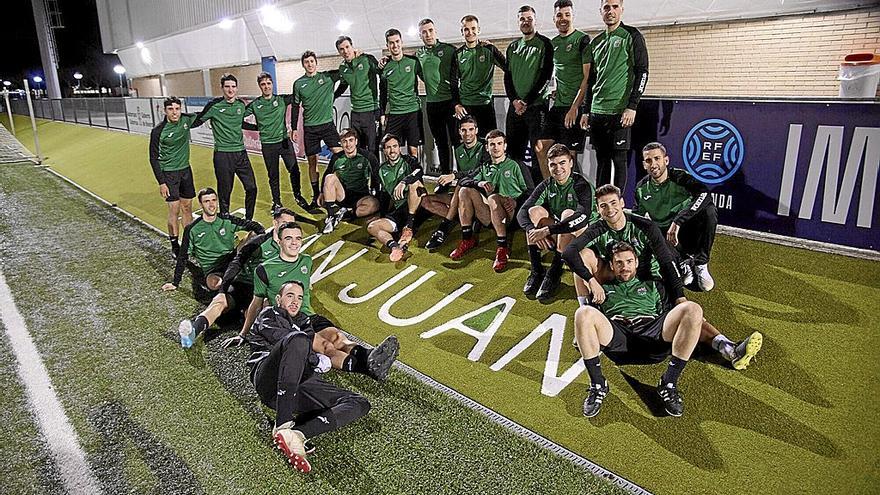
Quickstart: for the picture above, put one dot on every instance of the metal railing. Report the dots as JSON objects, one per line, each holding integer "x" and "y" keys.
{"x": 108, "y": 113}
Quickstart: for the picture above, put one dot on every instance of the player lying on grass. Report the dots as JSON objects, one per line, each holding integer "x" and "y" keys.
{"x": 282, "y": 370}
{"x": 400, "y": 194}
{"x": 347, "y": 182}
{"x": 291, "y": 265}
{"x": 210, "y": 239}
{"x": 469, "y": 155}
{"x": 631, "y": 324}
{"x": 237, "y": 284}
{"x": 492, "y": 195}
{"x": 683, "y": 209}
{"x": 557, "y": 211}
{"x": 589, "y": 257}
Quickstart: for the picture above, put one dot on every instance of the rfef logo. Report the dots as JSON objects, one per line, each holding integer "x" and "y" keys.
{"x": 713, "y": 151}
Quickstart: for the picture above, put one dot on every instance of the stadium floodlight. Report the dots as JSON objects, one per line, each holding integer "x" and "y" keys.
{"x": 344, "y": 24}
{"x": 225, "y": 23}
{"x": 119, "y": 70}
{"x": 7, "y": 83}
{"x": 38, "y": 79}
{"x": 78, "y": 76}
{"x": 275, "y": 20}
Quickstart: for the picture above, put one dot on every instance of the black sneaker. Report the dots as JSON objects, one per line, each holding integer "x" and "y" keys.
{"x": 533, "y": 283}
{"x": 595, "y": 396}
{"x": 302, "y": 203}
{"x": 437, "y": 239}
{"x": 275, "y": 207}
{"x": 549, "y": 285}
{"x": 671, "y": 398}
{"x": 312, "y": 207}
{"x": 382, "y": 357}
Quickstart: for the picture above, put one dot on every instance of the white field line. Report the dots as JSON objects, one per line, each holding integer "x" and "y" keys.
{"x": 54, "y": 425}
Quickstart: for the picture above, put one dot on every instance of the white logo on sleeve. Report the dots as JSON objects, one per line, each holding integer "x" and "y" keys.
{"x": 222, "y": 110}
{"x": 200, "y": 235}
{"x": 620, "y": 142}
{"x": 281, "y": 274}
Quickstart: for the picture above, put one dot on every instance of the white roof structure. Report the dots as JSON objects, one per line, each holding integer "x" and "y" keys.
{"x": 166, "y": 36}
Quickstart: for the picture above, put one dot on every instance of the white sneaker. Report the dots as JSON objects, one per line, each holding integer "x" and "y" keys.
{"x": 704, "y": 279}
{"x": 328, "y": 225}
{"x": 292, "y": 444}
{"x": 687, "y": 275}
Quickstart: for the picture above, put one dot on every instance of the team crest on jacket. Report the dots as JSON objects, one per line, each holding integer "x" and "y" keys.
{"x": 361, "y": 66}
{"x": 238, "y": 111}
{"x": 482, "y": 58}
{"x": 568, "y": 47}
{"x": 440, "y": 53}
{"x": 640, "y": 291}
{"x": 275, "y": 103}
{"x": 507, "y": 173}
{"x": 408, "y": 69}
{"x": 321, "y": 81}
{"x": 360, "y": 166}
{"x": 223, "y": 231}
{"x": 570, "y": 197}
{"x": 304, "y": 269}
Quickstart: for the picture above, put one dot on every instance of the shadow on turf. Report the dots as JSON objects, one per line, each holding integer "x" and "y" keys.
{"x": 119, "y": 434}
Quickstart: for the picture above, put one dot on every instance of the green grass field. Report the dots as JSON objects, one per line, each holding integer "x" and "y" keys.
{"x": 802, "y": 419}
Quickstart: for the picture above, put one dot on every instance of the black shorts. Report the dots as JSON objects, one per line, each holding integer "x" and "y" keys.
{"x": 406, "y": 126}
{"x": 606, "y": 133}
{"x": 572, "y": 137}
{"x": 638, "y": 342}
{"x": 320, "y": 323}
{"x": 530, "y": 126}
{"x": 314, "y": 134}
{"x": 397, "y": 216}
{"x": 239, "y": 296}
{"x": 351, "y": 198}
{"x": 180, "y": 184}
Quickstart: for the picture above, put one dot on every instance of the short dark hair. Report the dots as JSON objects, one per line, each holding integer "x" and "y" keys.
{"x": 264, "y": 75}
{"x": 558, "y": 149}
{"x": 561, "y": 4}
{"x": 205, "y": 192}
{"x": 348, "y": 132}
{"x": 470, "y": 17}
{"x": 622, "y": 247}
{"x": 468, "y": 119}
{"x": 655, "y": 146}
{"x": 228, "y": 77}
{"x": 288, "y": 225}
{"x": 496, "y": 133}
{"x": 388, "y": 137}
{"x": 425, "y": 21}
{"x": 392, "y": 32}
{"x": 342, "y": 39}
{"x": 291, "y": 282}
{"x": 306, "y": 54}
{"x": 526, "y": 8}
{"x": 607, "y": 189}
{"x": 277, "y": 212}
{"x": 171, "y": 100}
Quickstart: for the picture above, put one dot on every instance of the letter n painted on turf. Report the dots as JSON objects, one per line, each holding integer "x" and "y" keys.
{"x": 484, "y": 337}
{"x": 552, "y": 384}
{"x": 331, "y": 251}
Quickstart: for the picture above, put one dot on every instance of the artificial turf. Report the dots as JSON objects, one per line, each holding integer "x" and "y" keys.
{"x": 802, "y": 418}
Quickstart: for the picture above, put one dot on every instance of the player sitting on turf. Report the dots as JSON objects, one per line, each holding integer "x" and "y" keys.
{"x": 492, "y": 195}
{"x": 559, "y": 209}
{"x": 400, "y": 193}
{"x": 282, "y": 369}
{"x": 469, "y": 155}
{"x": 682, "y": 207}
{"x": 291, "y": 264}
{"x": 589, "y": 257}
{"x": 237, "y": 284}
{"x": 347, "y": 181}
{"x": 211, "y": 240}
{"x": 633, "y": 325}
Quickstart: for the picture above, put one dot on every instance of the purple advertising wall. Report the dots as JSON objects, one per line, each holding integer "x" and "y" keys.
{"x": 804, "y": 170}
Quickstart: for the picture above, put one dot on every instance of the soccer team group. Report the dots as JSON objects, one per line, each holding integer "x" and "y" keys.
{"x": 630, "y": 268}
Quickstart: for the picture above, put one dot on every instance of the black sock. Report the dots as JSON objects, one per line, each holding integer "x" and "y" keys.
{"x": 477, "y": 226}
{"x": 315, "y": 191}
{"x": 410, "y": 220}
{"x": 200, "y": 324}
{"x": 360, "y": 352}
{"x": 421, "y": 191}
{"x": 175, "y": 245}
{"x": 355, "y": 364}
{"x": 535, "y": 259}
{"x": 594, "y": 369}
{"x": 332, "y": 207}
{"x": 445, "y": 225}
{"x": 391, "y": 244}
{"x": 556, "y": 264}
{"x": 501, "y": 240}
{"x": 467, "y": 232}
{"x": 673, "y": 371}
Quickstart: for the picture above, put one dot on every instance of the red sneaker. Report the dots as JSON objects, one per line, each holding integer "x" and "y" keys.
{"x": 464, "y": 246}
{"x": 501, "y": 255}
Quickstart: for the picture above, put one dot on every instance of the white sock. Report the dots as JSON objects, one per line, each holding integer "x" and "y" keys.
{"x": 582, "y": 300}
{"x": 723, "y": 345}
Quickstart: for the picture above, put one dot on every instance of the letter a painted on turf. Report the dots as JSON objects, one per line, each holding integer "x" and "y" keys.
{"x": 385, "y": 311}
{"x": 551, "y": 385}
{"x": 331, "y": 251}
{"x": 484, "y": 337}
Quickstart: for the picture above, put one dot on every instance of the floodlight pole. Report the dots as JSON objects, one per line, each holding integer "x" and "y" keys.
{"x": 27, "y": 91}
{"x": 9, "y": 110}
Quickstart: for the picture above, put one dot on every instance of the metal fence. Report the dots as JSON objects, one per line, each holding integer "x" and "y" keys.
{"x": 108, "y": 113}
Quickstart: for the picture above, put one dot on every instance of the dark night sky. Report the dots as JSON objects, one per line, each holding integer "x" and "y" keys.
{"x": 79, "y": 45}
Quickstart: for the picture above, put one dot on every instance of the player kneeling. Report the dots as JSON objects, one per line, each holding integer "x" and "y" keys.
{"x": 282, "y": 369}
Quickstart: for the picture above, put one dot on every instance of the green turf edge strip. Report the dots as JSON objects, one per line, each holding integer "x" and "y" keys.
{"x": 783, "y": 240}
{"x": 517, "y": 428}
{"x": 467, "y": 401}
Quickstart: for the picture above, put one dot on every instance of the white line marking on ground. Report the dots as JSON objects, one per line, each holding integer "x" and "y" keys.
{"x": 53, "y": 422}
